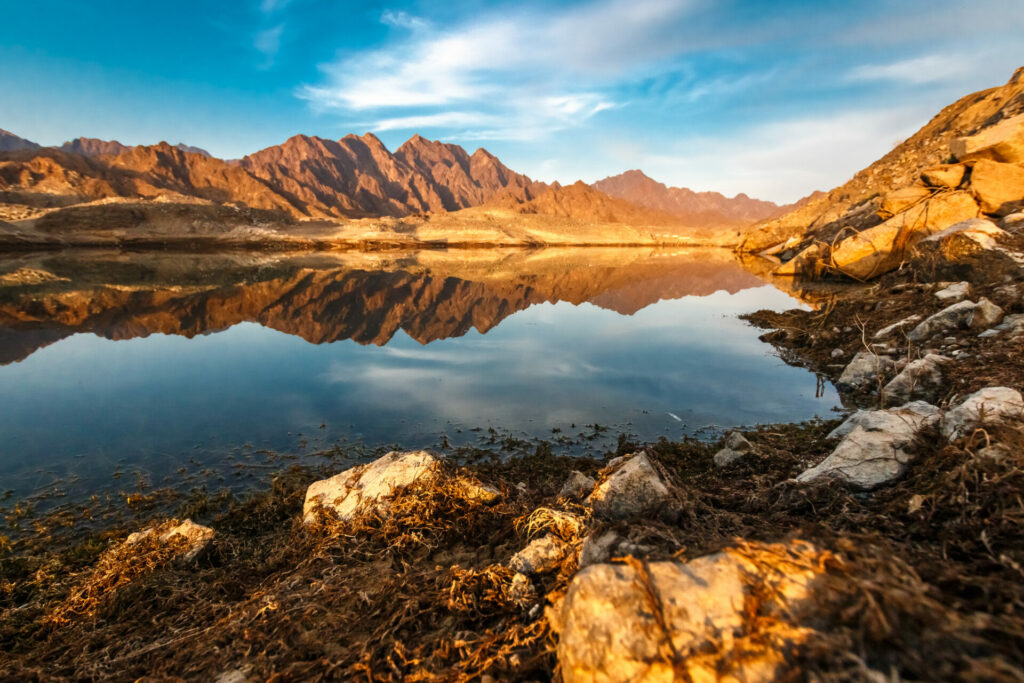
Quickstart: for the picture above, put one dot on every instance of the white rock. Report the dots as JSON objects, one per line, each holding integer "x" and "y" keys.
{"x": 196, "y": 536}
{"x": 985, "y": 408}
{"x": 960, "y": 316}
{"x": 634, "y": 488}
{"x": 837, "y": 353}
{"x": 920, "y": 379}
{"x": 1012, "y": 324}
{"x": 955, "y": 292}
{"x": 577, "y": 485}
{"x": 1014, "y": 222}
{"x": 611, "y": 631}
{"x": 541, "y": 555}
{"x": 736, "y": 447}
{"x": 872, "y": 450}
{"x": 365, "y": 488}
{"x": 864, "y": 371}
{"x": 888, "y": 330}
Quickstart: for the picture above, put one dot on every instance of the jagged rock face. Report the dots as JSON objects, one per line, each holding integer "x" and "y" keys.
{"x": 91, "y": 147}
{"x": 358, "y": 176}
{"x": 824, "y": 216}
{"x": 696, "y": 208}
{"x": 9, "y": 142}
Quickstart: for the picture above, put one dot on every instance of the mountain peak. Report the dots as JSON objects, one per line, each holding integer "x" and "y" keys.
{"x": 9, "y": 142}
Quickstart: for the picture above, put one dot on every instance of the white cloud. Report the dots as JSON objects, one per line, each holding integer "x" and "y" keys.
{"x": 531, "y": 73}
{"x": 271, "y": 6}
{"x": 934, "y": 68}
{"x": 268, "y": 42}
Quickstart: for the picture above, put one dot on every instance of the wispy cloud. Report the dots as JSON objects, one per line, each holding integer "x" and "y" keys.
{"x": 268, "y": 43}
{"x": 931, "y": 68}
{"x": 530, "y": 73}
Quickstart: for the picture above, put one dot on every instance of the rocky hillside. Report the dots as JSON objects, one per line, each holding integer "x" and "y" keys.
{"x": 9, "y": 142}
{"x": 581, "y": 202}
{"x": 695, "y": 208}
{"x": 964, "y": 163}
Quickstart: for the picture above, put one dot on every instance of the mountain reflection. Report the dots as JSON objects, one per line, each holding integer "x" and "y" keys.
{"x": 329, "y": 296}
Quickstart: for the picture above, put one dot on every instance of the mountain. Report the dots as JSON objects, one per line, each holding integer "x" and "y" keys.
{"x": 358, "y": 176}
{"x": 582, "y": 202}
{"x": 91, "y": 147}
{"x": 9, "y": 142}
{"x": 193, "y": 150}
{"x": 695, "y": 208}
{"x": 859, "y": 204}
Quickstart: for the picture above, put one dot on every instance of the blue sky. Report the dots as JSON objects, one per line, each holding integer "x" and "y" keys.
{"x": 775, "y": 99}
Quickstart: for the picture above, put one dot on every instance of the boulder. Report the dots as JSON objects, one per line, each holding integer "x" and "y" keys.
{"x": 367, "y": 488}
{"x": 959, "y": 316}
{"x": 809, "y": 262}
{"x": 882, "y": 248}
{"x": 985, "y": 408}
{"x": 735, "y": 448}
{"x": 1013, "y": 222}
{"x": 193, "y": 537}
{"x": 944, "y": 176}
{"x": 958, "y": 291}
{"x": 999, "y": 188}
{"x": 964, "y": 239}
{"x": 1012, "y": 326}
{"x": 627, "y": 622}
{"x": 873, "y": 447}
{"x": 863, "y": 371}
{"x": 632, "y": 489}
{"x": 897, "y": 326}
{"x": 900, "y": 200}
{"x": 541, "y": 555}
{"x": 1002, "y": 142}
{"x": 577, "y": 485}
{"x": 920, "y": 379}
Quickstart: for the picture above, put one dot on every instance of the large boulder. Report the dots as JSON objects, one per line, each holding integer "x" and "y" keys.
{"x": 367, "y": 488}
{"x": 191, "y": 538}
{"x": 882, "y": 248}
{"x": 944, "y": 176}
{"x": 864, "y": 371}
{"x": 874, "y": 446}
{"x": 963, "y": 315}
{"x": 1002, "y": 142}
{"x": 999, "y": 188}
{"x": 634, "y": 487}
{"x": 627, "y": 622}
{"x": 985, "y": 408}
{"x": 964, "y": 239}
{"x": 921, "y": 379}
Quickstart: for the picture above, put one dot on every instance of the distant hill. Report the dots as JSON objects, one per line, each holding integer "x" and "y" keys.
{"x": 92, "y": 147}
{"x": 699, "y": 209}
{"x": 9, "y": 142}
{"x": 582, "y": 202}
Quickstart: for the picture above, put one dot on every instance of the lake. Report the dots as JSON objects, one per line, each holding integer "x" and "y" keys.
{"x": 147, "y": 363}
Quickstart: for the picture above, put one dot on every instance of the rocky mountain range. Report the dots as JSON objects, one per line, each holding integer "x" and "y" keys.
{"x": 353, "y": 177}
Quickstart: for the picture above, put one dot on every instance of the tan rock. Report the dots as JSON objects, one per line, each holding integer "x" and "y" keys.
{"x": 882, "y": 248}
{"x": 541, "y": 555}
{"x": 809, "y": 262}
{"x": 1001, "y": 142}
{"x": 634, "y": 488}
{"x": 195, "y": 536}
{"x": 998, "y": 187}
{"x": 898, "y": 201}
{"x": 622, "y": 623}
{"x": 944, "y": 176}
{"x": 961, "y": 240}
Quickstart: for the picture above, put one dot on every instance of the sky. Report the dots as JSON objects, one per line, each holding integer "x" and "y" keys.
{"x": 771, "y": 98}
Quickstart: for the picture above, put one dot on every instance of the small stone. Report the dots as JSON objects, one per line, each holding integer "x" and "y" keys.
{"x": 955, "y": 292}
{"x": 598, "y": 548}
{"x": 959, "y": 316}
{"x": 888, "y": 331}
{"x": 196, "y": 536}
{"x": 736, "y": 447}
{"x": 987, "y": 407}
{"x": 1013, "y": 222}
{"x": 864, "y": 371}
{"x": 920, "y": 379}
{"x": 632, "y": 489}
{"x": 837, "y": 353}
{"x": 542, "y": 555}
{"x": 873, "y": 447}
{"x": 521, "y": 590}
{"x": 578, "y": 485}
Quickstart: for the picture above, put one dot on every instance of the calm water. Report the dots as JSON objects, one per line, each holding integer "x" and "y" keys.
{"x": 148, "y": 362}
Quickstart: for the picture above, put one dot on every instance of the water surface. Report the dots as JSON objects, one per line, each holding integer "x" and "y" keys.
{"x": 150, "y": 362}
